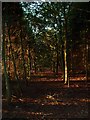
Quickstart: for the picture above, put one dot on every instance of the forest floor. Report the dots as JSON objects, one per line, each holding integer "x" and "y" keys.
{"x": 44, "y": 100}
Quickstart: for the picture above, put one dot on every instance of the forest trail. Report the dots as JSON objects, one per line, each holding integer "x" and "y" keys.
{"x": 50, "y": 100}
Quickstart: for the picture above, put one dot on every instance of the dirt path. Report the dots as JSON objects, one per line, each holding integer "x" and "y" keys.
{"x": 50, "y": 101}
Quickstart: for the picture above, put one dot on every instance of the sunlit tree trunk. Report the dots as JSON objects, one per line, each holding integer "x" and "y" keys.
{"x": 65, "y": 49}
{"x": 7, "y": 84}
{"x": 65, "y": 62}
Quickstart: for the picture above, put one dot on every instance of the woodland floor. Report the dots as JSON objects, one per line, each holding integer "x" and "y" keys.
{"x": 50, "y": 101}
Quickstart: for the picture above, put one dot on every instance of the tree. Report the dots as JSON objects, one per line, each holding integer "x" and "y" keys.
{"x": 9, "y": 22}
{"x": 46, "y": 35}
{"x": 53, "y": 16}
{"x": 7, "y": 85}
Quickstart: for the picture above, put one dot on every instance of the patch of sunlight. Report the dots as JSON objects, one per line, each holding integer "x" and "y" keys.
{"x": 39, "y": 113}
{"x": 84, "y": 100}
{"x": 49, "y": 100}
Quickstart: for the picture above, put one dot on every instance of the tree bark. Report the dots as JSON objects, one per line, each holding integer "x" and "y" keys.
{"x": 29, "y": 59}
{"x": 7, "y": 84}
{"x": 23, "y": 60}
{"x": 15, "y": 71}
{"x": 65, "y": 62}
{"x": 57, "y": 63}
{"x": 65, "y": 48}
{"x": 35, "y": 66}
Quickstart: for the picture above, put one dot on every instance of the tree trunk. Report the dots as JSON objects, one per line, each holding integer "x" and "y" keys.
{"x": 7, "y": 84}
{"x": 65, "y": 62}
{"x": 9, "y": 62}
{"x": 57, "y": 61}
{"x": 15, "y": 71}
{"x": 87, "y": 63}
{"x": 23, "y": 60}
{"x": 29, "y": 59}
{"x": 62, "y": 62}
{"x": 35, "y": 66}
{"x": 57, "y": 64}
{"x": 65, "y": 48}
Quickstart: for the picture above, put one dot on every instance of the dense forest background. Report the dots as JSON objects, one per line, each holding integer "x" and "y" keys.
{"x": 44, "y": 38}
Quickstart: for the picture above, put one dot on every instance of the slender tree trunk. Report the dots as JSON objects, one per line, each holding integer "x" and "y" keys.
{"x": 9, "y": 62}
{"x": 8, "y": 58}
{"x": 57, "y": 64}
{"x": 29, "y": 59}
{"x": 23, "y": 60}
{"x": 87, "y": 62}
{"x": 86, "y": 42}
{"x": 65, "y": 48}
{"x": 7, "y": 84}
{"x": 62, "y": 49}
{"x": 35, "y": 66}
{"x": 15, "y": 71}
{"x": 62, "y": 62}
{"x": 65, "y": 62}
